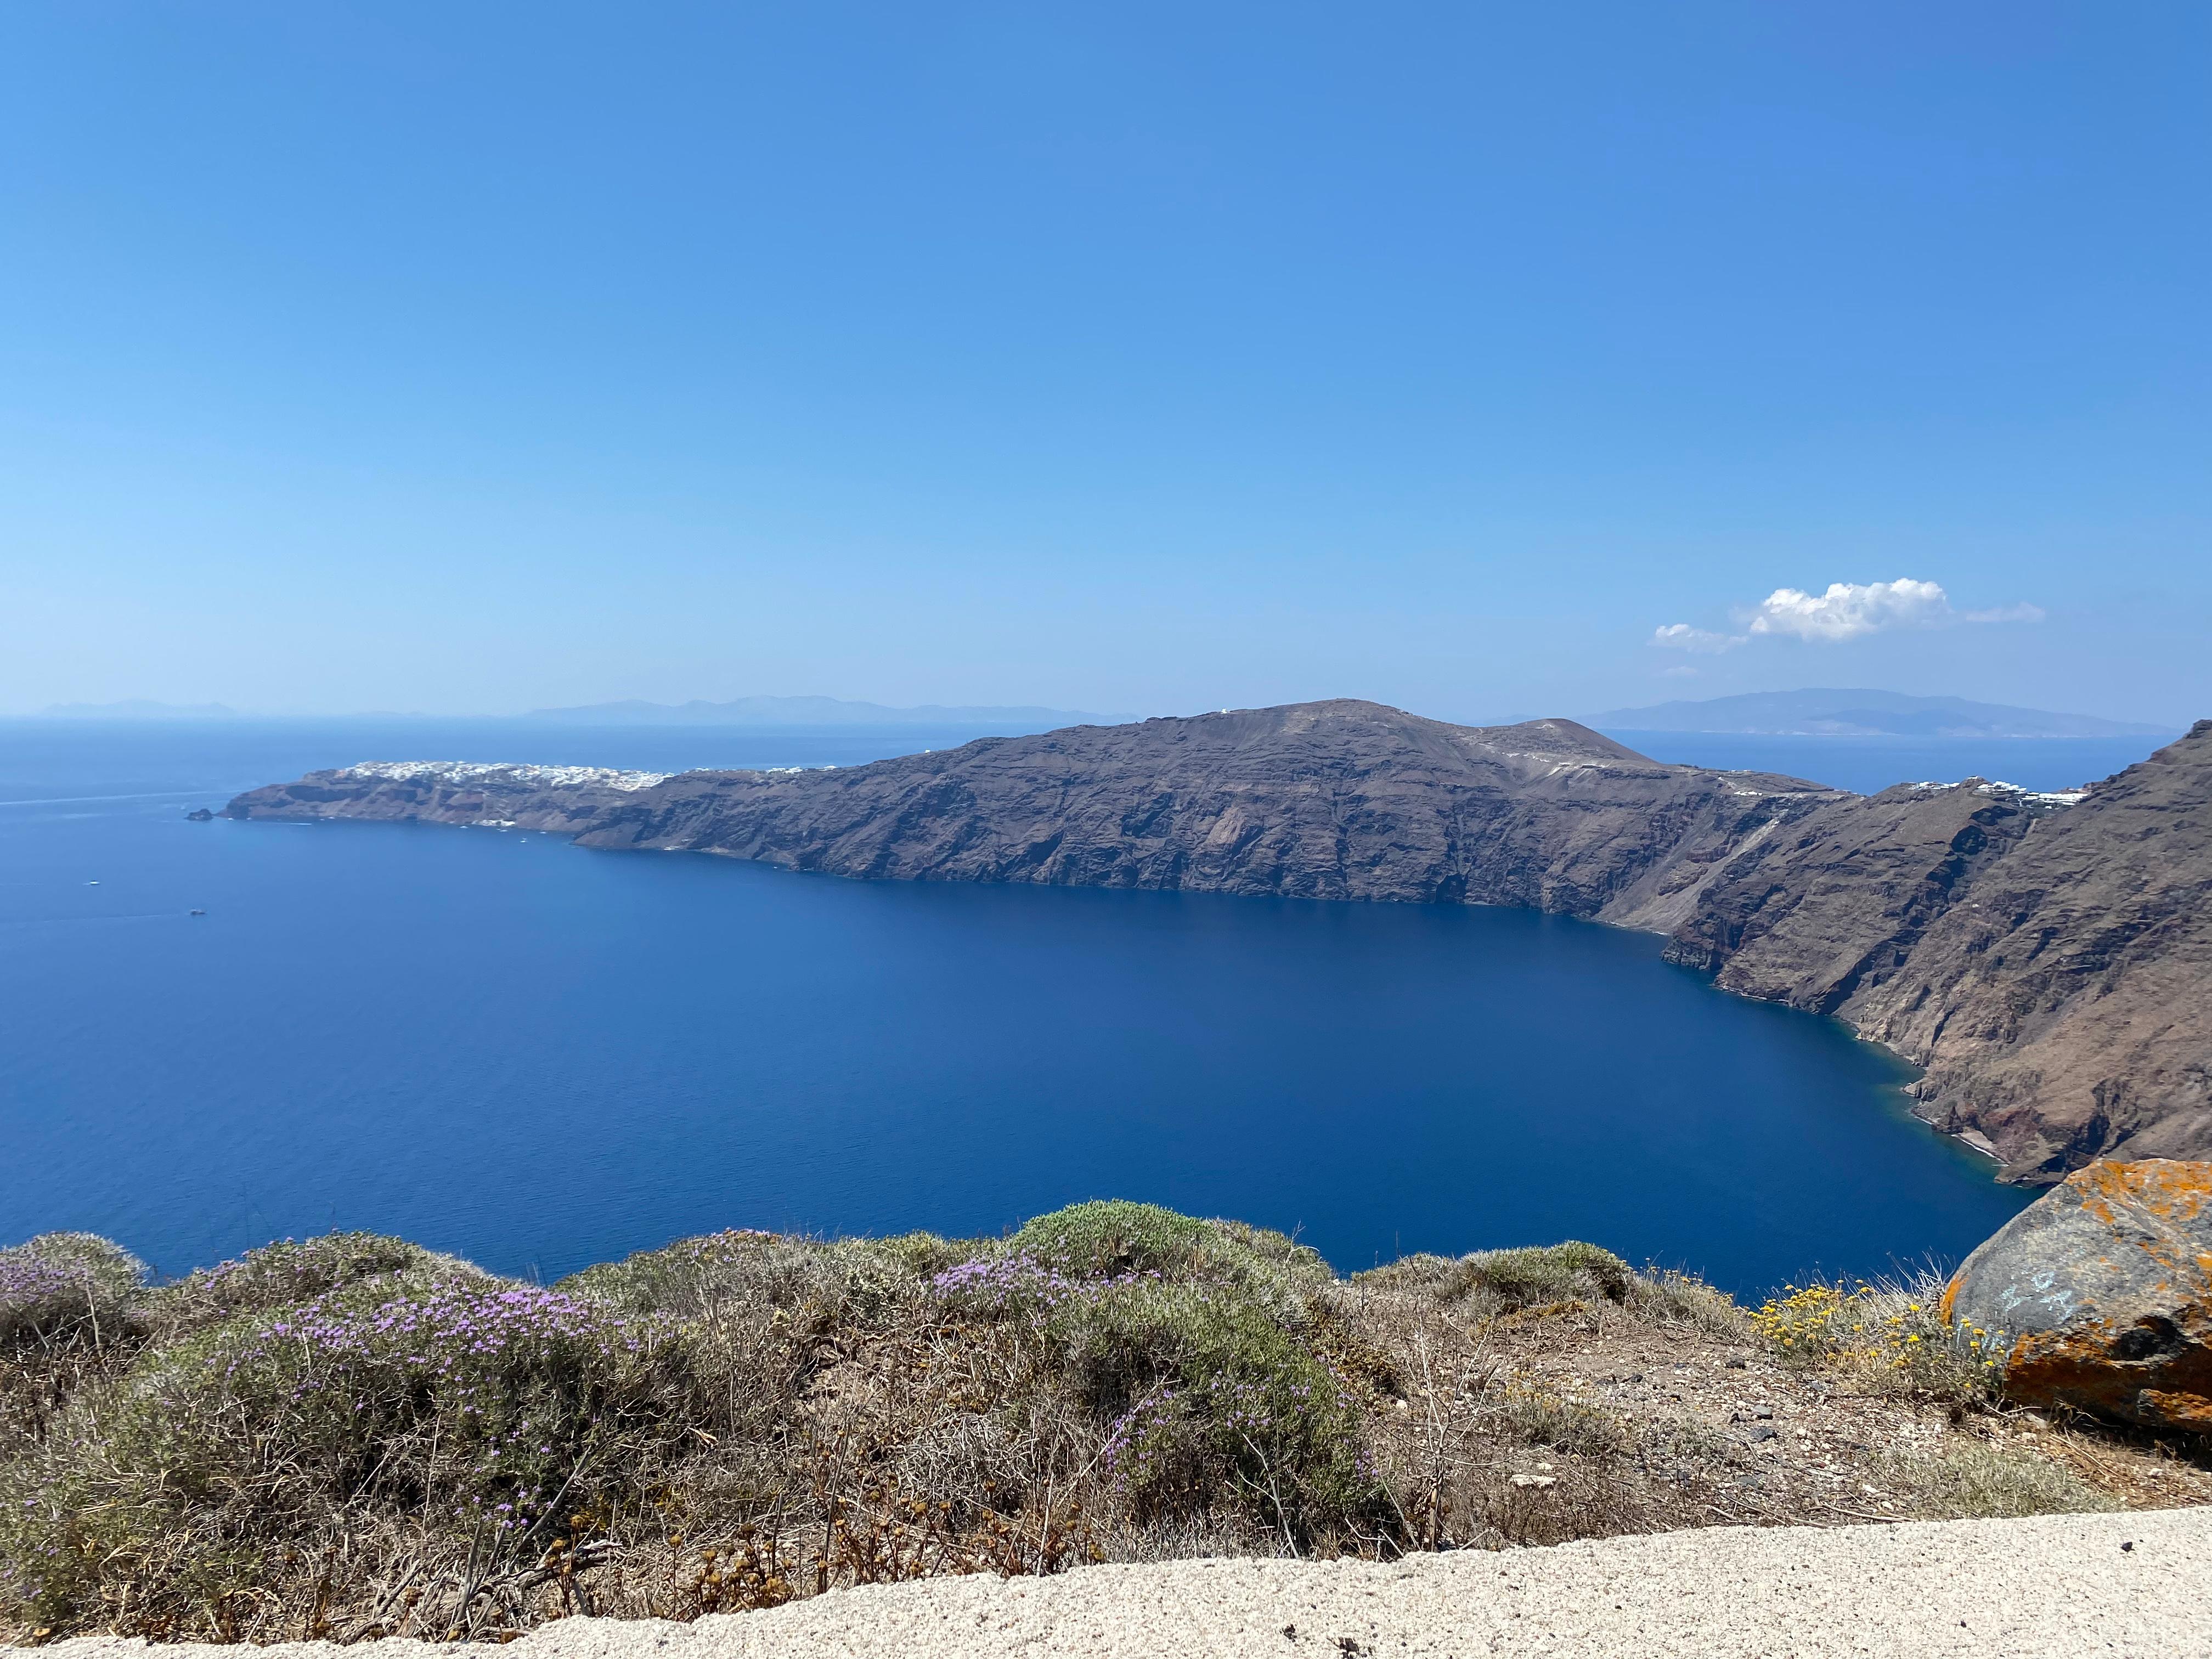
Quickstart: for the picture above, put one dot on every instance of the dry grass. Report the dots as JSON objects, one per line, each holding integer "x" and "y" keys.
{"x": 1970, "y": 1479}
{"x": 350, "y": 1436}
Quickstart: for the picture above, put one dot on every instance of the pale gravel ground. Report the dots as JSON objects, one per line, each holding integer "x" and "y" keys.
{"x": 2060, "y": 1586}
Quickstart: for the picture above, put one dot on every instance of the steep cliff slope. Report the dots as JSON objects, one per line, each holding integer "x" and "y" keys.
{"x": 2063, "y": 1007}
{"x": 1829, "y": 907}
{"x": 2048, "y": 963}
{"x": 1341, "y": 800}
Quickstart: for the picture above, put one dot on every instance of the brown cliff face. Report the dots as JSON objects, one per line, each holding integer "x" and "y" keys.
{"x": 2049, "y": 964}
{"x": 1829, "y": 908}
{"x": 1330, "y": 801}
{"x": 1339, "y": 800}
{"x": 2063, "y": 1005}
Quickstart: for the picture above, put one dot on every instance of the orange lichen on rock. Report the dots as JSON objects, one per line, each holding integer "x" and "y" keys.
{"x": 2099, "y": 1296}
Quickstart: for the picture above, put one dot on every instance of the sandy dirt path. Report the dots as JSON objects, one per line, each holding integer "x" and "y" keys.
{"x": 2063, "y": 1586}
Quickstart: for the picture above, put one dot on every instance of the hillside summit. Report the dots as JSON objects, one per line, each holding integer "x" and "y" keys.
{"x": 2043, "y": 956}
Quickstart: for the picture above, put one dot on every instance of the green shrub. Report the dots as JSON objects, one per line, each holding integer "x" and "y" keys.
{"x": 1677, "y": 1299}
{"x": 1190, "y": 1343}
{"x": 1114, "y": 1238}
{"x": 1536, "y": 1276}
{"x": 692, "y": 1275}
{"x": 1206, "y": 1388}
{"x": 1539, "y": 1415}
{"x": 920, "y": 1254}
{"x": 1421, "y": 1272}
{"x": 1109, "y": 1238}
{"x": 830, "y": 1280}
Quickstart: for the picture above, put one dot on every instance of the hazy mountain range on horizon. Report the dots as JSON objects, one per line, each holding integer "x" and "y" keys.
{"x": 1845, "y": 713}
{"x": 740, "y": 711}
{"x": 137, "y": 708}
{"x": 813, "y": 711}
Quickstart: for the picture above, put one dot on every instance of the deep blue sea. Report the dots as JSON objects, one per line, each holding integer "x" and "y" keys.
{"x": 1867, "y": 764}
{"x": 538, "y": 1056}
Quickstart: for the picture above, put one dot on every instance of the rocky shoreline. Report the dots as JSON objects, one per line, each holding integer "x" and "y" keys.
{"x": 2041, "y": 957}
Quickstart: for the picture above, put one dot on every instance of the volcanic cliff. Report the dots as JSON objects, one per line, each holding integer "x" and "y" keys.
{"x": 2043, "y": 956}
{"x": 2048, "y": 963}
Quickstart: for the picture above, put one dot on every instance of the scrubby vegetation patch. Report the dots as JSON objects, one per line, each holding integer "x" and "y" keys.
{"x": 64, "y": 1288}
{"x": 350, "y": 1436}
{"x": 284, "y": 1275}
{"x": 1886, "y": 1335}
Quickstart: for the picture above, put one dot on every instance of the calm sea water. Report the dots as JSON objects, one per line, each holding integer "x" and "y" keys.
{"x": 1867, "y": 764}
{"x": 537, "y": 1056}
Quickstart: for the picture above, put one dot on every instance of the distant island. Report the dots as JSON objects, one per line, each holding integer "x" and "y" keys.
{"x": 738, "y": 711}
{"x": 810, "y": 711}
{"x": 2039, "y": 954}
{"x": 137, "y": 708}
{"x": 1818, "y": 713}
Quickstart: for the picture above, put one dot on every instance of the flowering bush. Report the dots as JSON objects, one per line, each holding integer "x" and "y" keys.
{"x": 1889, "y": 1336}
{"x": 475, "y": 1404}
{"x": 65, "y": 1286}
{"x": 991, "y": 1286}
{"x": 518, "y": 1386}
{"x": 283, "y": 1275}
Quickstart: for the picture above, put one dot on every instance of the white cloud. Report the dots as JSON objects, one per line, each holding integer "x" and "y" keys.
{"x": 1848, "y": 611}
{"x": 1681, "y": 637}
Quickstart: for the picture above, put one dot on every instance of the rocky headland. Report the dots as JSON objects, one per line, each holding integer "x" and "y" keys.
{"x": 1331, "y": 800}
{"x": 2042, "y": 957}
{"x": 482, "y": 795}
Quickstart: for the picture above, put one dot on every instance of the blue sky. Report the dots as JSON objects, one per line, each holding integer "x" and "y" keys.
{"x": 1132, "y": 357}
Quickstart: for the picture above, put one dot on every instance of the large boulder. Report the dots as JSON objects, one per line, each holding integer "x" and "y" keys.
{"x": 2099, "y": 1296}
